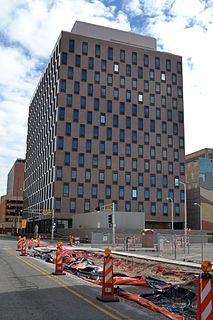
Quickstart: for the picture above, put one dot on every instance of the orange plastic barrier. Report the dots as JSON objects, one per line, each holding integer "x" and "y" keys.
{"x": 19, "y": 245}
{"x": 107, "y": 281}
{"x": 148, "y": 304}
{"x": 204, "y": 299}
{"x": 59, "y": 262}
{"x": 23, "y": 248}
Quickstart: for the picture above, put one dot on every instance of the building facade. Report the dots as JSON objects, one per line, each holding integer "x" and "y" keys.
{"x": 199, "y": 176}
{"x": 11, "y": 204}
{"x": 106, "y": 125}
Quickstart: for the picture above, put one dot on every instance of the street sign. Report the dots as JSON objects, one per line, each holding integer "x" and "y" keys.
{"x": 23, "y": 223}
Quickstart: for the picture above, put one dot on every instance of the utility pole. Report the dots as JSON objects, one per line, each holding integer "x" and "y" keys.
{"x": 113, "y": 224}
{"x": 53, "y": 225}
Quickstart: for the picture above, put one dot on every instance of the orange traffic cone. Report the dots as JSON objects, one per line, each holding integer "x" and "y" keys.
{"x": 23, "y": 248}
{"x": 107, "y": 282}
{"x": 59, "y": 261}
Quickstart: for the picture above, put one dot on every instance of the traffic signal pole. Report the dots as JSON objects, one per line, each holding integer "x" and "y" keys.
{"x": 113, "y": 224}
{"x": 53, "y": 225}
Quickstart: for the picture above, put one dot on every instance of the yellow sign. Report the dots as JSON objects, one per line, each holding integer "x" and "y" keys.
{"x": 206, "y": 266}
{"x": 23, "y": 223}
{"x": 45, "y": 212}
{"x": 108, "y": 206}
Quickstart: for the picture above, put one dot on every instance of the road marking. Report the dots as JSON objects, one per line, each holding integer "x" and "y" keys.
{"x": 67, "y": 287}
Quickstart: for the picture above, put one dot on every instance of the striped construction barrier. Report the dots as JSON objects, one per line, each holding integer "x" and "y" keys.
{"x": 24, "y": 248}
{"x": 107, "y": 281}
{"x": 59, "y": 260}
{"x": 19, "y": 244}
{"x": 204, "y": 299}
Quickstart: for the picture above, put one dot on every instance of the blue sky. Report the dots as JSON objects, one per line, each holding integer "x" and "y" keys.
{"x": 29, "y": 30}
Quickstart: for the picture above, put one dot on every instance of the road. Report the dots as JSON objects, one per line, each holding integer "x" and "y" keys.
{"x": 28, "y": 290}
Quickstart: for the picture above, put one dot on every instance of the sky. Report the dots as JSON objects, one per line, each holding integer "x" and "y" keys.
{"x": 29, "y": 30}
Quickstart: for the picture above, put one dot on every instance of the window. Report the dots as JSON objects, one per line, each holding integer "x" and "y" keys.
{"x": 140, "y": 179}
{"x": 62, "y": 85}
{"x": 158, "y": 166}
{"x": 163, "y": 101}
{"x": 82, "y": 130}
{"x": 134, "y": 164}
{"x": 75, "y": 115}
{"x": 115, "y": 148}
{"x": 181, "y": 142}
{"x": 73, "y": 174}
{"x": 152, "y": 74}
{"x": 94, "y": 190}
{"x": 157, "y": 63}
{"x": 157, "y": 87}
{"x": 158, "y": 113}
{"x": 116, "y": 93}
{"x": 122, "y": 82}
{"x": 66, "y": 158}
{"x": 114, "y": 177}
{"x": 122, "y": 108}
{"x": 152, "y": 125}
{"x": 134, "y": 193}
{"x": 87, "y": 175}
{"x": 68, "y": 129}
{"x": 146, "y": 194}
{"x": 102, "y": 119}
{"x": 66, "y": 189}
{"x": 170, "y": 167}
{"x": 146, "y": 85}
{"x": 80, "y": 190}
{"x": 134, "y": 83}
{"x": 108, "y": 191}
{"x": 101, "y": 176}
{"x": 165, "y": 209}
{"x": 146, "y": 112}
{"x": 180, "y": 116}
{"x": 69, "y": 100}
{"x": 103, "y": 91}
{"x": 89, "y": 116}
{"x": 77, "y": 60}
{"x": 140, "y": 97}
{"x": 109, "y": 106}
{"x": 115, "y": 121}
{"x": 177, "y": 209}
{"x": 152, "y": 152}
{"x": 70, "y": 73}
{"x": 116, "y": 67}
{"x": 134, "y": 57}
{"x": 174, "y": 78}
{"x": 134, "y": 136}
{"x": 84, "y": 75}
{"x": 97, "y": 77}
{"x": 128, "y": 70}
{"x": 158, "y": 139}
{"x": 163, "y": 76}
{"x": 140, "y": 207}
{"x": 95, "y": 132}
{"x": 176, "y": 155}
{"x": 61, "y": 113}
{"x": 164, "y": 127}
{"x": 175, "y": 128}
{"x": 109, "y": 80}
{"x": 140, "y": 151}
{"x": 153, "y": 180}
{"x": 81, "y": 160}
{"x": 94, "y": 160}
{"x": 170, "y": 141}
{"x": 109, "y": 134}
{"x": 85, "y": 48}
{"x": 86, "y": 205}
{"x": 182, "y": 169}
{"x": 90, "y": 89}
{"x": 96, "y": 104}
{"x": 179, "y": 67}
{"x": 169, "y": 89}
{"x": 164, "y": 154}
{"x": 159, "y": 194}
{"x": 91, "y": 63}
{"x": 71, "y": 45}
{"x": 88, "y": 145}
{"x": 128, "y": 150}
{"x": 108, "y": 162}
{"x": 122, "y": 55}
{"x": 110, "y": 53}
{"x": 146, "y": 60}
{"x": 83, "y": 102}
{"x": 64, "y": 58}
{"x": 121, "y": 163}
{"x": 140, "y": 72}
{"x": 180, "y": 92}
{"x": 169, "y": 115}
{"x": 128, "y": 95}
{"x": 102, "y": 147}
{"x": 59, "y": 173}
{"x": 168, "y": 65}
{"x": 121, "y": 192}
{"x": 174, "y": 103}
{"x": 72, "y": 205}
{"x": 97, "y": 51}
{"x": 165, "y": 181}
{"x": 153, "y": 208}
{"x": 103, "y": 65}
{"x": 140, "y": 124}
{"x": 128, "y": 123}
{"x": 57, "y": 204}
{"x": 128, "y": 178}
{"x": 146, "y": 137}
{"x": 76, "y": 87}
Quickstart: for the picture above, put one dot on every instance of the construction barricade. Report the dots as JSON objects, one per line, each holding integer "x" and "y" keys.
{"x": 107, "y": 282}
{"x": 24, "y": 248}
{"x": 19, "y": 244}
{"x": 59, "y": 260}
{"x": 205, "y": 296}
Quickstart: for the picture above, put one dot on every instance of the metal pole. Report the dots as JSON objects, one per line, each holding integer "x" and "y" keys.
{"x": 113, "y": 224}
{"x": 52, "y": 231}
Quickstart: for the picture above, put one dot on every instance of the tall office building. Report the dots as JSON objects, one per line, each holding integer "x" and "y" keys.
{"x": 199, "y": 177}
{"x": 106, "y": 125}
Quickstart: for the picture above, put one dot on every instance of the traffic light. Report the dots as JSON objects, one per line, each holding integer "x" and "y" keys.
{"x": 54, "y": 226}
{"x": 110, "y": 220}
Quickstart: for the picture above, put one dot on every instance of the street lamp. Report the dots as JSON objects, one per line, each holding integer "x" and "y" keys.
{"x": 177, "y": 182}
{"x": 172, "y": 207}
{"x": 201, "y": 214}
